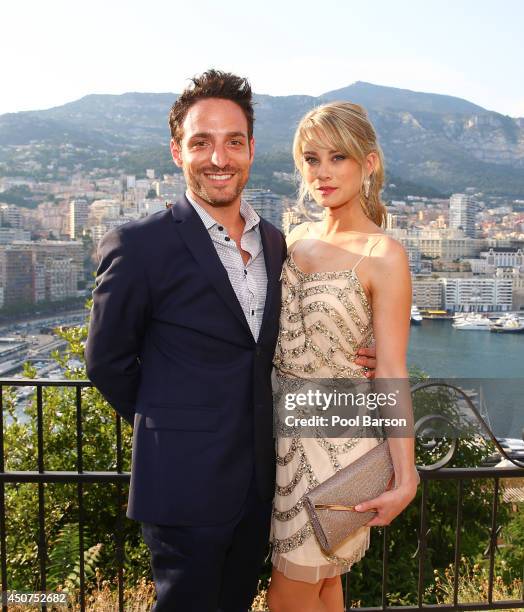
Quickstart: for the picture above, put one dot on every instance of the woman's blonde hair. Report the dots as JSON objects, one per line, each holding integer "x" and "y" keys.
{"x": 343, "y": 127}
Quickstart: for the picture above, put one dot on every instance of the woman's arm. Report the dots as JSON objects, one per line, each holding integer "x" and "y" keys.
{"x": 390, "y": 288}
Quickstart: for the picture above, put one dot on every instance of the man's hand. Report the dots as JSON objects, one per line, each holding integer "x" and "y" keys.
{"x": 367, "y": 359}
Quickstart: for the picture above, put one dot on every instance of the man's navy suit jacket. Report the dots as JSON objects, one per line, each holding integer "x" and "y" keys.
{"x": 170, "y": 349}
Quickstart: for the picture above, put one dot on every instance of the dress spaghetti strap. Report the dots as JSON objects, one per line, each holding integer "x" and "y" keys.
{"x": 367, "y": 254}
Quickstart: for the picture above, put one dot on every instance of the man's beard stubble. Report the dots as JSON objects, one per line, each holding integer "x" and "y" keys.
{"x": 200, "y": 190}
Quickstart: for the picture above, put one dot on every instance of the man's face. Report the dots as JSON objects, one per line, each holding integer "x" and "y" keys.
{"x": 215, "y": 152}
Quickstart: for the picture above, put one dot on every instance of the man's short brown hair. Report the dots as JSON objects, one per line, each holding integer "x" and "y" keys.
{"x": 212, "y": 84}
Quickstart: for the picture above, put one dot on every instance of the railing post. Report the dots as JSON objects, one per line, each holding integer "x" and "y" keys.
{"x": 42, "y": 545}
{"x": 80, "y": 492}
{"x": 458, "y": 531}
{"x": 385, "y": 561}
{"x": 3, "y": 535}
{"x": 493, "y": 540}
{"x": 347, "y": 596}
{"x": 119, "y": 518}
{"x": 422, "y": 543}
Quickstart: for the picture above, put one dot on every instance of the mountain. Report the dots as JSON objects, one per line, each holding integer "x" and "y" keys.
{"x": 442, "y": 142}
{"x": 108, "y": 120}
{"x": 391, "y": 98}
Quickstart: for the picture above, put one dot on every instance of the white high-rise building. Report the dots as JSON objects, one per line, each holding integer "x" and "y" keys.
{"x": 61, "y": 278}
{"x": 391, "y": 220}
{"x": 462, "y": 213}
{"x": 102, "y": 209}
{"x": 509, "y": 258}
{"x": 268, "y": 205}
{"x": 478, "y": 294}
{"x": 153, "y": 205}
{"x": 428, "y": 292}
{"x": 10, "y": 215}
{"x": 448, "y": 244}
{"x": 78, "y": 214}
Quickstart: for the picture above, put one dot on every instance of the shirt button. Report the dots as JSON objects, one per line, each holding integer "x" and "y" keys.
{"x": 227, "y": 238}
{"x": 245, "y": 271}
{"x": 220, "y": 228}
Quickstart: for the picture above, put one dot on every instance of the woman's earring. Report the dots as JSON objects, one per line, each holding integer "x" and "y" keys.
{"x": 367, "y": 183}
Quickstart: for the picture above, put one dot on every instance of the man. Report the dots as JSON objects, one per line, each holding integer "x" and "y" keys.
{"x": 181, "y": 340}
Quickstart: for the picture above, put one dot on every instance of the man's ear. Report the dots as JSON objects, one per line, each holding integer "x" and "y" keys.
{"x": 176, "y": 152}
{"x": 251, "y": 150}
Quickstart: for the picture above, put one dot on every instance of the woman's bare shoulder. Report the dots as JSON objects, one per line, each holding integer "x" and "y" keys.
{"x": 297, "y": 233}
{"x": 390, "y": 262}
{"x": 387, "y": 247}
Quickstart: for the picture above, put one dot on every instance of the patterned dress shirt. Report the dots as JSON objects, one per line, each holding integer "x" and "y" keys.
{"x": 249, "y": 281}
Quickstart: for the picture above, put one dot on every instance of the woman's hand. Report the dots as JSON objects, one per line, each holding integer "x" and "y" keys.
{"x": 390, "y": 504}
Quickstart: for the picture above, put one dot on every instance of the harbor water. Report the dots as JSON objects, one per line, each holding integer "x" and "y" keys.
{"x": 496, "y": 359}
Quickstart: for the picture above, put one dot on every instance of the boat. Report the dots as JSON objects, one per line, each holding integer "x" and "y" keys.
{"x": 471, "y": 322}
{"x": 507, "y": 324}
{"x": 416, "y": 317}
{"x": 500, "y": 320}
{"x": 432, "y": 313}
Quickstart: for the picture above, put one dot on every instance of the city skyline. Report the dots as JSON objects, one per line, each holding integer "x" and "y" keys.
{"x": 63, "y": 52}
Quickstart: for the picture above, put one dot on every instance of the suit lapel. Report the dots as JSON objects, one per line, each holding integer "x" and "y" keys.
{"x": 273, "y": 270}
{"x": 196, "y": 238}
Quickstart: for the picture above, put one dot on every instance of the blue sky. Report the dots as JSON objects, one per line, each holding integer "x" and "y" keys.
{"x": 57, "y": 51}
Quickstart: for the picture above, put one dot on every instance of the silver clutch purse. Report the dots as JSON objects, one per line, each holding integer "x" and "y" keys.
{"x": 331, "y": 504}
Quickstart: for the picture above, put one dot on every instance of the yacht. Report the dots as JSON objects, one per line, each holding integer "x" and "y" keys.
{"x": 471, "y": 321}
{"x": 503, "y": 318}
{"x": 416, "y": 317}
{"x": 433, "y": 313}
{"x": 508, "y": 324}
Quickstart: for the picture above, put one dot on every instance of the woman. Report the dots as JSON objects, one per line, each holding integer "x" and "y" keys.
{"x": 345, "y": 284}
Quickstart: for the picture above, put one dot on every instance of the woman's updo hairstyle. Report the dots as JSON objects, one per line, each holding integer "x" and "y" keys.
{"x": 344, "y": 127}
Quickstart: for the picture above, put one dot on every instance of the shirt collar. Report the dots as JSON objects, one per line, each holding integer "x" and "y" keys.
{"x": 248, "y": 213}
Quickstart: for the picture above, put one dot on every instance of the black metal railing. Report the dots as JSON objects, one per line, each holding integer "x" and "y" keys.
{"x": 459, "y": 475}
{"x": 120, "y": 479}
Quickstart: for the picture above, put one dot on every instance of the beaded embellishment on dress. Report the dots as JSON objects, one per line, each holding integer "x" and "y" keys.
{"x": 325, "y": 318}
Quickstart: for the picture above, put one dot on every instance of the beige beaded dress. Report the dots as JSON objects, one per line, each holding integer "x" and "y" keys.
{"x": 325, "y": 319}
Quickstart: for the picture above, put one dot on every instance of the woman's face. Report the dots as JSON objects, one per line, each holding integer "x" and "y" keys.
{"x": 333, "y": 178}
